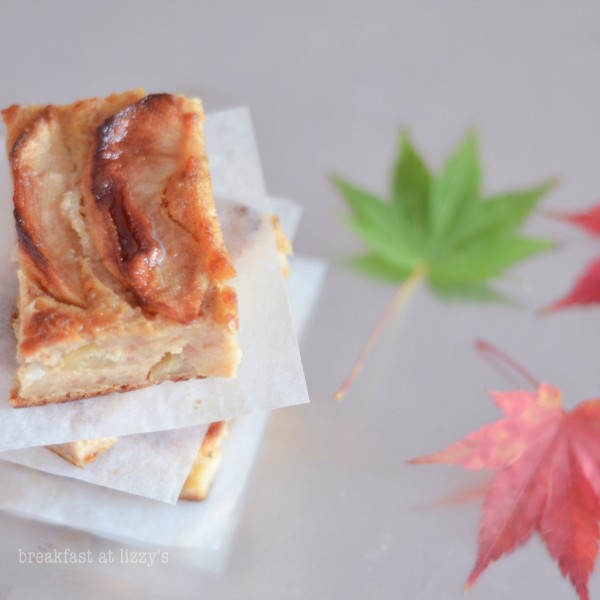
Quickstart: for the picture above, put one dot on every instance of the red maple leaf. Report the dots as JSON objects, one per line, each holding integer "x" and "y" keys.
{"x": 547, "y": 479}
{"x": 587, "y": 287}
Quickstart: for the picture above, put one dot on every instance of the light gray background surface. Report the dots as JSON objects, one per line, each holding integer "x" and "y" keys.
{"x": 332, "y": 510}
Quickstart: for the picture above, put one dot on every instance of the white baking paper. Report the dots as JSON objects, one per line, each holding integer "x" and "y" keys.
{"x": 303, "y": 286}
{"x": 206, "y": 525}
{"x": 154, "y": 465}
{"x": 123, "y": 516}
{"x": 270, "y": 374}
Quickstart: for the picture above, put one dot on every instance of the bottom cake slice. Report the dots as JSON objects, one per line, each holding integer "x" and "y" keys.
{"x": 207, "y": 463}
{"x": 82, "y": 452}
{"x": 202, "y": 473}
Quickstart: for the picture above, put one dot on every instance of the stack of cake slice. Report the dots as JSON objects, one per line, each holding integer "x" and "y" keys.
{"x": 127, "y": 278}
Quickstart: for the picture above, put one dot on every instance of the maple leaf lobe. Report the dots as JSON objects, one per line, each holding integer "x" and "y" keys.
{"x": 585, "y": 291}
{"x": 589, "y": 219}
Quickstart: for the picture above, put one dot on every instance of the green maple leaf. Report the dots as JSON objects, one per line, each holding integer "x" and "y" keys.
{"x": 441, "y": 226}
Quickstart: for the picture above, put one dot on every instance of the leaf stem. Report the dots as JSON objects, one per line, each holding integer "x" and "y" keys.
{"x": 400, "y": 298}
{"x": 494, "y": 352}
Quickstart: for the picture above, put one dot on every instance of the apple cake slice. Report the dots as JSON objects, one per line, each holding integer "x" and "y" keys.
{"x": 122, "y": 267}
